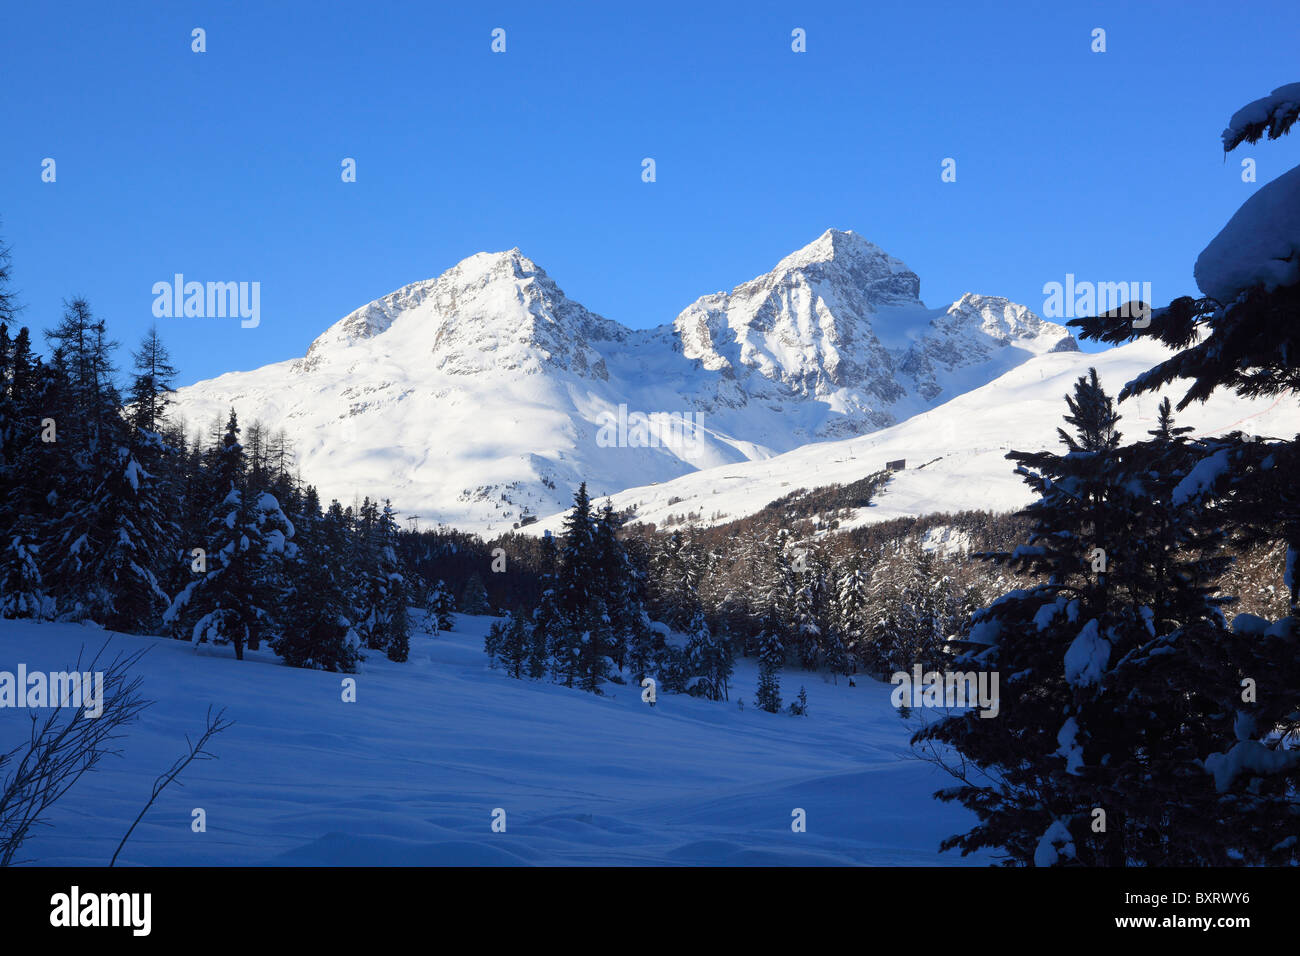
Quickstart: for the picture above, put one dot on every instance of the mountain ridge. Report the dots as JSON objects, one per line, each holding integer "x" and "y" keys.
{"x": 477, "y": 397}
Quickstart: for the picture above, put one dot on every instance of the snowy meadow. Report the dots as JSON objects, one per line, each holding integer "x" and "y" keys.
{"x": 413, "y": 771}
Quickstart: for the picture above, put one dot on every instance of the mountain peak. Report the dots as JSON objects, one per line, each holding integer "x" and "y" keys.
{"x": 1007, "y": 323}
{"x": 493, "y": 266}
{"x": 839, "y": 246}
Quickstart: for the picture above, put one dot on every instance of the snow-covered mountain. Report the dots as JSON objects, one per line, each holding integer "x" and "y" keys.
{"x": 486, "y": 394}
{"x": 954, "y": 453}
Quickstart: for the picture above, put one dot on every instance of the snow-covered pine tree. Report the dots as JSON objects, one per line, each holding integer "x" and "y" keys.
{"x": 382, "y": 599}
{"x": 673, "y": 669}
{"x": 913, "y": 607}
{"x": 771, "y": 658}
{"x": 835, "y": 656}
{"x": 551, "y": 639}
{"x": 135, "y": 503}
{"x": 397, "y": 624}
{"x": 574, "y": 597}
{"x": 709, "y": 660}
{"x": 247, "y": 537}
{"x": 516, "y": 647}
{"x": 1243, "y": 335}
{"x": 112, "y": 524}
{"x": 89, "y": 431}
{"x": 799, "y": 706}
{"x": 1167, "y": 701}
{"x": 778, "y": 588}
{"x": 547, "y": 618}
{"x": 932, "y": 610}
{"x": 493, "y": 640}
{"x": 593, "y": 648}
{"x": 678, "y": 564}
{"x": 508, "y": 641}
{"x": 887, "y": 642}
{"x": 370, "y": 590}
{"x": 26, "y": 466}
{"x": 752, "y": 560}
{"x": 641, "y": 650}
{"x": 807, "y": 615}
{"x": 439, "y": 608}
{"x": 474, "y": 599}
{"x": 852, "y": 609}
{"x": 1112, "y": 686}
{"x": 618, "y": 584}
{"x": 578, "y": 554}
{"x": 1050, "y": 644}
{"x": 313, "y": 629}
{"x": 132, "y": 506}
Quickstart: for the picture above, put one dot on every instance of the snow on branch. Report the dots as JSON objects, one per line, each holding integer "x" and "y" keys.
{"x": 1274, "y": 114}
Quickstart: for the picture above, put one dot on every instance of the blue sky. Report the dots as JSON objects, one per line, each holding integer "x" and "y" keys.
{"x": 225, "y": 165}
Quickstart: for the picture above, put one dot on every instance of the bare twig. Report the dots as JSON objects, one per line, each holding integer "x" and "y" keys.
{"x": 215, "y": 725}
{"x": 61, "y": 748}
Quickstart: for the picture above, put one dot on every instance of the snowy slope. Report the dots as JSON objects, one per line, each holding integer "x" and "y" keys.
{"x": 969, "y": 436}
{"x": 411, "y": 772}
{"x": 479, "y": 396}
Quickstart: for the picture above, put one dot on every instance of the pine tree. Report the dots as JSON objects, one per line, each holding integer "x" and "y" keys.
{"x": 492, "y": 642}
{"x": 474, "y": 599}
{"x": 247, "y": 536}
{"x": 552, "y": 640}
{"x": 593, "y": 660}
{"x": 1112, "y": 689}
{"x": 807, "y": 610}
{"x": 21, "y": 590}
{"x": 26, "y": 466}
{"x": 9, "y": 306}
{"x": 799, "y": 706}
{"x": 133, "y": 512}
{"x": 314, "y": 630}
{"x": 709, "y": 659}
{"x": 381, "y": 601}
{"x": 780, "y": 590}
{"x": 675, "y": 569}
{"x": 85, "y": 412}
{"x": 547, "y": 618}
{"x": 152, "y": 384}
{"x": 618, "y": 584}
{"x": 577, "y": 619}
{"x": 771, "y": 657}
{"x": 508, "y": 641}
{"x": 852, "y": 610}
{"x": 835, "y": 655}
{"x": 1243, "y": 336}
{"x": 1246, "y": 345}
{"x": 439, "y": 608}
{"x": 397, "y": 641}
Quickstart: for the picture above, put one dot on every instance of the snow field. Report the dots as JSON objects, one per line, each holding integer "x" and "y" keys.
{"x": 411, "y": 773}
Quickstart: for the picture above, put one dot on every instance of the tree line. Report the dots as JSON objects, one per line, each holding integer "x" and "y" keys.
{"x": 112, "y": 514}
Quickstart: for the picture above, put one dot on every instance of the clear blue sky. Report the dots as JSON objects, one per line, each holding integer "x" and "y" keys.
{"x": 225, "y": 165}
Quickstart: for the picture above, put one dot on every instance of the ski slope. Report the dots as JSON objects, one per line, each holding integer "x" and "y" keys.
{"x": 412, "y": 771}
